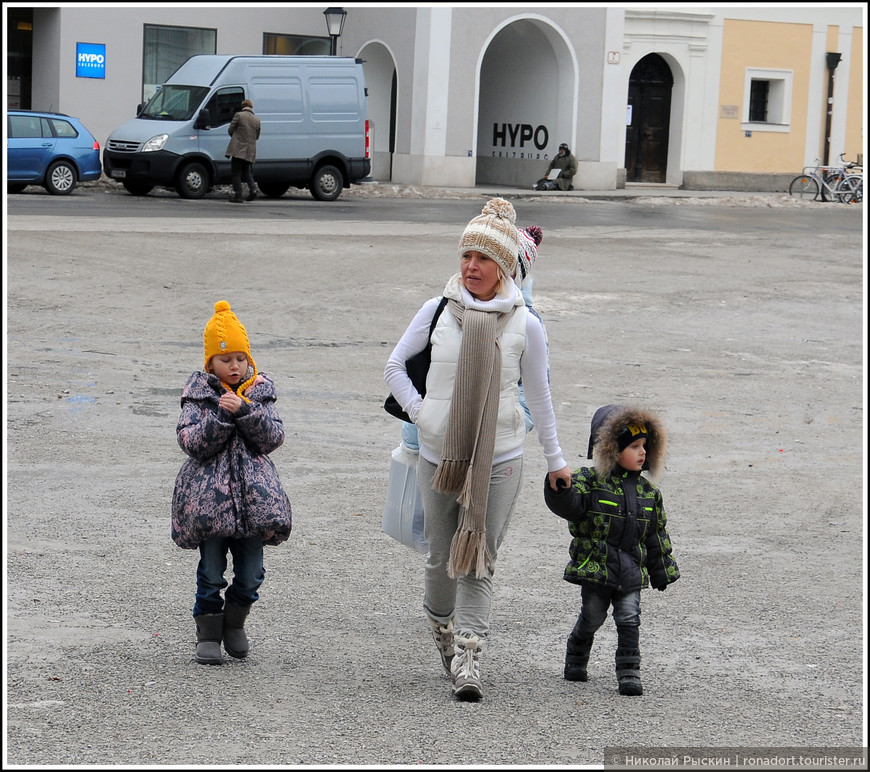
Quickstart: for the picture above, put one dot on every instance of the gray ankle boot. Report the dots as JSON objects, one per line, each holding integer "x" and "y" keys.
{"x": 209, "y": 630}
{"x": 577, "y": 657}
{"x": 628, "y": 672}
{"x": 235, "y": 640}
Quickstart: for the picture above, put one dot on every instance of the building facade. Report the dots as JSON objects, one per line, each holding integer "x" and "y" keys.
{"x": 731, "y": 98}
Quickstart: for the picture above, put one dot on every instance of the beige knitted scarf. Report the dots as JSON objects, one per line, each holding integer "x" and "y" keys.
{"x": 469, "y": 441}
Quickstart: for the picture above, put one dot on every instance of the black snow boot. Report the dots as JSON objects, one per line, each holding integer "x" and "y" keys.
{"x": 209, "y": 630}
{"x": 577, "y": 657}
{"x": 628, "y": 672}
{"x": 235, "y": 640}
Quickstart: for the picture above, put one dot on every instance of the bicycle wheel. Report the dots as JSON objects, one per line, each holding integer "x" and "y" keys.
{"x": 832, "y": 180}
{"x": 804, "y": 186}
{"x": 850, "y": 190}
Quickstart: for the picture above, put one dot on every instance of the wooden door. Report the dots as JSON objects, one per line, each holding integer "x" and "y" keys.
{"x": 646, "y": 137}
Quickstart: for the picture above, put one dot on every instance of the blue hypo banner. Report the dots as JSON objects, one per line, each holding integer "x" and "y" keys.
{"x": 90, "y": 60}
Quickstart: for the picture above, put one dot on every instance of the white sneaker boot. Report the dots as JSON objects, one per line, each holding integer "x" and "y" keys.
{"x": 443, "y": 635}
{"x": 465, "y": 668}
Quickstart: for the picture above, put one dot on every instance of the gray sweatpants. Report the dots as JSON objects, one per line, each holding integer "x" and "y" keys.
{"x": 467, "y": 599}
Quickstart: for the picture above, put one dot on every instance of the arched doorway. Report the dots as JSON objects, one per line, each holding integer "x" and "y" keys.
{"x": 646, "y": 136}
{"x": 526, "y": 103}
{"x": 382, "y": 87}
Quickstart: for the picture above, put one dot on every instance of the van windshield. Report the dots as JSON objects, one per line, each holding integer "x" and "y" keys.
{"x": 174, "y": 103}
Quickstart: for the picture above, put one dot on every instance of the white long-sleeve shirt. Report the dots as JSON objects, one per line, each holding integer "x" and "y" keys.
{"x": 533, "y": 369}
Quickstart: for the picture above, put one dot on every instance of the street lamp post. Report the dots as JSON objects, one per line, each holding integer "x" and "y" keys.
{"x": 334, "y": 24}
{"x": 833, "y": 59}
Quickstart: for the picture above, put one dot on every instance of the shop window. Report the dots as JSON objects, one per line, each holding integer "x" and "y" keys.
{"x": 295, "y": 45}
{"x": 767, "y": 100}
{"x": 167, "y": 48}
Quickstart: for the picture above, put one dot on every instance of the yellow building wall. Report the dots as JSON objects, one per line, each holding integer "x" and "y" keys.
{"x": 855, "y": 111}
{"x": 769, "y": 45}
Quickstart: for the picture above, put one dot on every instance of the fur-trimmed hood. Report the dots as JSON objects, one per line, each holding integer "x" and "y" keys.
{"x": 609, "y": 422}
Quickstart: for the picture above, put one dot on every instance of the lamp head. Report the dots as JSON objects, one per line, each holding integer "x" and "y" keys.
{"x": 335, "y": 20}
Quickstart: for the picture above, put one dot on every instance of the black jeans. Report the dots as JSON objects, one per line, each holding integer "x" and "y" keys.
{"x": 595, "y": 602}
{"x": 242, "y": 169}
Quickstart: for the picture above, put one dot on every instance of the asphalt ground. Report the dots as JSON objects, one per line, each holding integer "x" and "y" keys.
{"x": 742, "y": 324}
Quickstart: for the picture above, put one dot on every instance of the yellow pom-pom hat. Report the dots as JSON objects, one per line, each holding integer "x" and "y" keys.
{"x": 225, "y": 333}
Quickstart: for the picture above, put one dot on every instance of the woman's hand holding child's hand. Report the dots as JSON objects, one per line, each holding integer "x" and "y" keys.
{"x": 563, "y": 475}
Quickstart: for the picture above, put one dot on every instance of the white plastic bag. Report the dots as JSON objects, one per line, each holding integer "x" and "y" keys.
{"x": 403, "y": 509}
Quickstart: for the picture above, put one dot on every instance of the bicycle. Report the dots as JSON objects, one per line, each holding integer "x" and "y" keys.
{"x": 815, "y": 181}
{"x": 850, "y": 189}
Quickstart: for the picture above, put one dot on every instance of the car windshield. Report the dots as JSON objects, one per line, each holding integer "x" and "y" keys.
{"x": 174, "y": 103}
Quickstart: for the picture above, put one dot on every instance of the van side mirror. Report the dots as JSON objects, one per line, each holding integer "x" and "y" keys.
{"x": 203, "y": 120}
{"x": 139, "y": 108}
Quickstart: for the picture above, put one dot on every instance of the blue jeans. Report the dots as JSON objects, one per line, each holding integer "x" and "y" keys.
{"x": 409, "y": 436}
{"x": 248, "y": 573}
{"x": 596, "y": 600}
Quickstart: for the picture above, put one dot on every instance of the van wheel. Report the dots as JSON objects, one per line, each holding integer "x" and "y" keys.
{"x": 274, "y": 189}
{"x": 327, "y": 184}
{"x": 192, "y": 181}
{"x": 60, "y": 179}
{"x": 137, "y": 188}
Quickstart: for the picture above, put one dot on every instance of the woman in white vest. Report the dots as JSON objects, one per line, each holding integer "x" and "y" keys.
{"x": 471, "y": 431}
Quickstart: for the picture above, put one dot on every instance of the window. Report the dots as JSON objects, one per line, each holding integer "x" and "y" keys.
{"x": 294, "y": 45}
{"x": 767, "y": 100}
{"x": 174, "y": 103}
{"x": 758, "y": 101}
{"x": 224, "y": 105}
{"x": 167, "y": 48}
{"x": 30, "y": 126}
{"x": 21, "y": 126}
{"x": 63, "y": 128}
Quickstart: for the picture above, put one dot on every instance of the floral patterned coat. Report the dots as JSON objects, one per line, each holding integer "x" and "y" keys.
{"x": 229, "y": 485}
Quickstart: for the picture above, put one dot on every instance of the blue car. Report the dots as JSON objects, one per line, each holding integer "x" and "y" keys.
{"x": 49, "y": 149}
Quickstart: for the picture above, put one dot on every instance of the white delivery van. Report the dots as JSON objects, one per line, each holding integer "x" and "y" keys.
{"x": 314, "y": 129}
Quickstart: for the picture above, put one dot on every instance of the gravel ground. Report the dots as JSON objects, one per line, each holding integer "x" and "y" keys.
{"x": 750, "y": 344}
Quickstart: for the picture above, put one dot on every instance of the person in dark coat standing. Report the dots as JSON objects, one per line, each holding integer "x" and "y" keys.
{"x": 244, "y": 131}
{"x": 619, "y": 537}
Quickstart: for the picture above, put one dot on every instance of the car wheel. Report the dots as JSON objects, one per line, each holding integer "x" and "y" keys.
{"x": 192, "y": 181}
{"x": 274, "y": 189}
{"x": 14, "y": 187}
{"x": 60, "y": 179}
{"x": 138, "y": 188}
{"x": 327, "y": 184}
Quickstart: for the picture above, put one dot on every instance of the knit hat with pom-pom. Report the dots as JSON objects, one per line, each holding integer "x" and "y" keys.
{"x": 530, "y": 239}
{"x": 225, "y": 333}
{"x": 494, "y": 233}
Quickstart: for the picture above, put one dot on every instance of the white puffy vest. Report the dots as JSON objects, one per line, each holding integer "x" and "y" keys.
{"x": 446, "y": 341}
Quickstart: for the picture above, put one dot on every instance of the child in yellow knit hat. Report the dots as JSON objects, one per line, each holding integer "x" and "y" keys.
{"x": 227, "y": 495}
